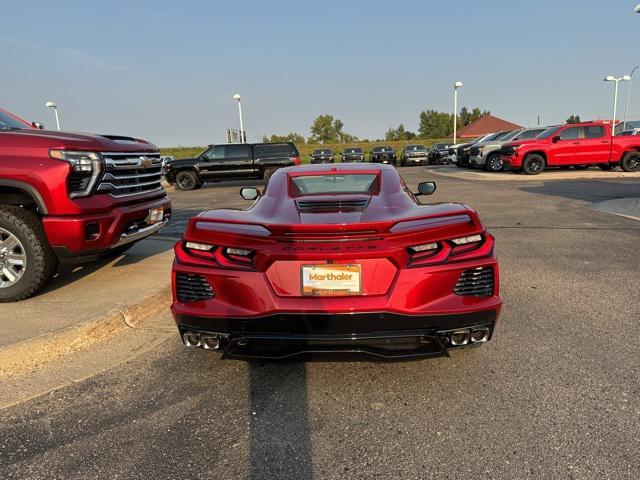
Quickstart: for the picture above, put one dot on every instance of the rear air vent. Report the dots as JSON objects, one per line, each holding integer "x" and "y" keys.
{"x": 191, "y": 288}
{"x": 477, "y": 282}
{"x": 316, "y": 206}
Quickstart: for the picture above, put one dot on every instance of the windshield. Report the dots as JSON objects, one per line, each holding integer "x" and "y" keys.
{"x": 549, "y": 132}
{"x": 510, "y": 135}
{"x": 382, "y": 149}
{"x": 366, "y": 183}
{"x": 7, "y": 122}
{"x": 322, "y": 152}
{"x": 353, "y": 150}
{"x": 415, "y": 147}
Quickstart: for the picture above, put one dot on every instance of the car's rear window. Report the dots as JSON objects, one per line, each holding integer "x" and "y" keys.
{"x": 332, "y": 183}
{"x": 7, "y": 122}
{"x": 275, "y": 150}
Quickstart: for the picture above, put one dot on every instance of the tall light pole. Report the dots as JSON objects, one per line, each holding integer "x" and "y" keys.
{"x": 611, "y": 78}
{"x": 456, "y": 86}
{"x": 626, "y": 108}
{"x": 55, "y": 109}
{"x": 237, "y": 97}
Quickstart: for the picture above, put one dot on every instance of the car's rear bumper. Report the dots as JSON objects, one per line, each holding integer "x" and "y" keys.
{"x": 69, "y": 235}
{"x": 373, "y": 334}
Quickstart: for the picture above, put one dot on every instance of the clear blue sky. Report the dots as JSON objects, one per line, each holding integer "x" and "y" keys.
{"x": 167, "y": 71}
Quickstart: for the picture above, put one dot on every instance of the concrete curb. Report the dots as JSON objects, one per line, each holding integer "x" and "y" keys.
{"x": 24, "y": 356}
{"x": 551, "y": 175}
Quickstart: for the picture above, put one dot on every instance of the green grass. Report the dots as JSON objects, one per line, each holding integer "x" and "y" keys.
{"x": 306, "y": 149}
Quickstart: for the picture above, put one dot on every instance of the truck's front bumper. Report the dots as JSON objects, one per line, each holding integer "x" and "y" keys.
{"x": 91, "y": 234}
{"x": 371, "y": 334}
{"x": 477, "y": 161}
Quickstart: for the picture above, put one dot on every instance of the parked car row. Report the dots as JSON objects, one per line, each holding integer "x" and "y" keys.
{"x": 532, "y": 150}
{"x": 414, "y": 154}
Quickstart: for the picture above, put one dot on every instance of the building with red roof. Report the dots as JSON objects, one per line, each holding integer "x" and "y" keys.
{"x": 486, "y": 124}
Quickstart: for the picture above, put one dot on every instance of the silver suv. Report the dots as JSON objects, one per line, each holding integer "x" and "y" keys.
{"x": 487, "y": 154}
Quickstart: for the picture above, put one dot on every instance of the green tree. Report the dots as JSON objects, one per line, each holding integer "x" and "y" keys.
{"x": 434, "y": 124}
{"x": 399, "y": 133}
{"x": 326, "y": 129}
{"x": 290, "y": 137}
{"x": 573, "y": 119}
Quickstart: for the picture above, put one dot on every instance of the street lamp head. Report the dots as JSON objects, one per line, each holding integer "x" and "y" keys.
{"x": 609, "y": 78}
{"x": 457, "y": 84}
{"x": 237, "y": 97}
{"x": 626, "y": 78}
{"x": 638, "y": 9}
{"x": 50, "y": 105}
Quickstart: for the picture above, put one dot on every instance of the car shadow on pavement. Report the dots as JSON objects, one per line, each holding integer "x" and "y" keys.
{"x": 280, "y": 436}
{"x": 587, "y": 190}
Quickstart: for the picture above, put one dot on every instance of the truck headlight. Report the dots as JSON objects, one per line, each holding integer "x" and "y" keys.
{"x": 86, "y": 168}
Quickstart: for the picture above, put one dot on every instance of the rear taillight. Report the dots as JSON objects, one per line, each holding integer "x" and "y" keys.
{"x": 453, "y": 250}
{"x": 224, "y": 257}
{"x": 295, "y": 160}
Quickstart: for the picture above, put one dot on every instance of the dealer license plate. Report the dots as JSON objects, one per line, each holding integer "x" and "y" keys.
{"x": 156, "y": 215}
{"x": 331, "y": 280}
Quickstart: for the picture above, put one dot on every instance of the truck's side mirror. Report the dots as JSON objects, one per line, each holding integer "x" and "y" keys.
{"x": 426, "y": 188}
{"x": 249, "y": 193}
{"x": 37, "y": 125}
{"x": 556, "y": 139}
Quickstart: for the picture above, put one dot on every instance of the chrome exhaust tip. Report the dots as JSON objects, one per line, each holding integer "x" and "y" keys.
{"x": 210, "y": 343}
{"x": 191, "y": 339}
{"x": 479, "y": 335}
{"x": 459, "y": 338}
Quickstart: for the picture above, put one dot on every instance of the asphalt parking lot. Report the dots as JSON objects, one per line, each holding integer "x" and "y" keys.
{"x": 555, "y": 394}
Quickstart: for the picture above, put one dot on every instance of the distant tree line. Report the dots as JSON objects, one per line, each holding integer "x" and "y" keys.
{"x": 432, "y": 124}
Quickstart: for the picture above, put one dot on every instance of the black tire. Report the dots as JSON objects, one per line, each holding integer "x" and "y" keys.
{"x": 39, "y": 261}
{"x": 268, "y": 171}
{"x": 186, "y": 180}
{"x": 533, "y": 164}
{"x": 581, "y": 167}
{"x": 605, "y": 166}
{"x": 493, "y": 163}
{"x": 631, "y": 162}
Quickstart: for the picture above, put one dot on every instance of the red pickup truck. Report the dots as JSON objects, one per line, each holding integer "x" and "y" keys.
{"x": 71, "y": 196}
{"x": 578, "y": 144}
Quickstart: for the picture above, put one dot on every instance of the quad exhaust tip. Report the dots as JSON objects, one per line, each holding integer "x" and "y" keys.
{"x": 208, "y": 342}
{"x": 458, "y": 338}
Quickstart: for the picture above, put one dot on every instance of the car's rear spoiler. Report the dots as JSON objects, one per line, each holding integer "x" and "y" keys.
{"x": 226, "y": 231}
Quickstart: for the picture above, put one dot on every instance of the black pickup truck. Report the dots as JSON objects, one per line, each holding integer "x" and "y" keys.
{"x": 231, "y": 161}
{"x": 352, "y": 154}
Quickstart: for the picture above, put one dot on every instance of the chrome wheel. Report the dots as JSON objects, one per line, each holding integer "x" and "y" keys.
{"x": 494, "y": 163}
{"x": 13, "y": 259}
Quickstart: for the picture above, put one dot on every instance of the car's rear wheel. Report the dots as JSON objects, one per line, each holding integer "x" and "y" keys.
{"x": 631, "y": 162}
{"x": 26, "y": 259}
{"x": 186, "y": 180}
{"x": 533, "y": 164}
{"x": 494, "y": 163}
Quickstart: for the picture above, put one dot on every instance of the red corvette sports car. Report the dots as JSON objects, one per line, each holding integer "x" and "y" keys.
{"x": 336, "y": 258}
